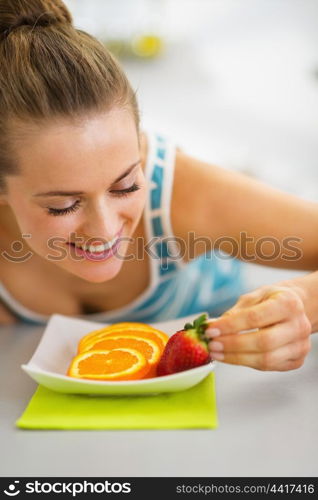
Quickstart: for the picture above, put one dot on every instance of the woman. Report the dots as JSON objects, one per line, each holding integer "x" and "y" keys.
{"x": 98, "y": 218}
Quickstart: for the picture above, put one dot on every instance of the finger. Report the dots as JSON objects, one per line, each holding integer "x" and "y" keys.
{"x": 272, "y": 310}
{"x": 280, "y": 359}
{"x": 265, "y": 339}
{"x": 252, "y": 298}
{"x": 291, "y": 364}
{"x": 249, "y": 298}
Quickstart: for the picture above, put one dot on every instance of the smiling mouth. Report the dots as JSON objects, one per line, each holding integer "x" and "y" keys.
{"x": 99, "y": 248}
{"x": 96, "y": 249}
{"x": 97, "y": 255}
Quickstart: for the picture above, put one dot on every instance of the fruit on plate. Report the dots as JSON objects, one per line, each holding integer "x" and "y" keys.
{"x": 149, "y": 348}
{"x": 128, "y": 328}
{"x": 109, "y": 365}
{"x": 126, "y": 337}
{"x": 186, "y": 349}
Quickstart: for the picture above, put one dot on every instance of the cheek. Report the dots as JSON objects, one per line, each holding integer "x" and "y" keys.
{"x": 134, "y": 204}
{"x": 138, "y": 203}
{"x": 54, "y": 226}
{"x": 41, "y": 226}
{"x": 57, "y": 227}
{"x": 131, "y": 206}
{"x": 50, "y": 234}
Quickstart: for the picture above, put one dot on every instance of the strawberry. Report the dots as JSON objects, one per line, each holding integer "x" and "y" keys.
{"x": 186, "y": 349}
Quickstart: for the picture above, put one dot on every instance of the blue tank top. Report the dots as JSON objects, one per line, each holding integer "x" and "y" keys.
{"x": 211, "y": 282}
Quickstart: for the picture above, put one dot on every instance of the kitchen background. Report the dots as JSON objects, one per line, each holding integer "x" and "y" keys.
{"x": 234, "y": 82}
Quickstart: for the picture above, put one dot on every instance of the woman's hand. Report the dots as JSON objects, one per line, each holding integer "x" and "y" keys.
{"x": 281, "y": 337}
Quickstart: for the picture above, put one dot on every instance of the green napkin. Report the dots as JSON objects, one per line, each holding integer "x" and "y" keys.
{"x": 189, "y": 409}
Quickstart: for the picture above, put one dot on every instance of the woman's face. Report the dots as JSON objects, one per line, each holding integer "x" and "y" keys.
{"x": 80, "y": 193}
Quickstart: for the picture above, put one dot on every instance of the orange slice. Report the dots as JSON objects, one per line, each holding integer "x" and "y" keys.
{"x": 131, "y": 329}
{"x": 123, "y": 325}
{"x": 147, "y": 335}
{"x": 149, "y": 348}
{"x": 116, "y": 364}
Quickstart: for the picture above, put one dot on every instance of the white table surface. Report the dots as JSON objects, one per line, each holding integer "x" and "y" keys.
{"x": 268, "y": 426}
{"x": 268, "y": 422}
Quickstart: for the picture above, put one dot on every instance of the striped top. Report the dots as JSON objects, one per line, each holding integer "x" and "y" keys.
{"x": 211, "y": 282}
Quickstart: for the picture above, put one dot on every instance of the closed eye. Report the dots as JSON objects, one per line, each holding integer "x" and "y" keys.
{"x": 124, "y": 192}
{"x": 68, "y": 210}
{"x": 64, "y": 211}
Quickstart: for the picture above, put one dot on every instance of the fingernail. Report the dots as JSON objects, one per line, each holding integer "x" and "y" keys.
{"x": 212, "y": 332}
{"x": 216, "y": 346}
{"x": 219, "y": 356}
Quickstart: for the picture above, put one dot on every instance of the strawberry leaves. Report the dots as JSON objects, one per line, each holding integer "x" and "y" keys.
{"x": 199, "y": 325}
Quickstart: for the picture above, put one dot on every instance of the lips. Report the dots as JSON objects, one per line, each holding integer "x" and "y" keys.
{"x": 106, "y": 254}
{"x": 97, "y": 248}
{"x": 99, "y": 251}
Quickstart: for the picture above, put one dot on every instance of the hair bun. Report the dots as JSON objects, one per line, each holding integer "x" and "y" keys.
{"x": 44, "y": 19}
{"x": 17, "y": 13}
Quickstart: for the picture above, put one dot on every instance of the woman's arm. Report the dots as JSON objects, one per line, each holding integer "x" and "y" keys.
{"x": 242, "y": 216}
{"x": 233, "y": 212}
{"x": 307, "y": 289}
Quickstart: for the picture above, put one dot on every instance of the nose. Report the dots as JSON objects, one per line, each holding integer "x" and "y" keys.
{"x": 101, "y": 220}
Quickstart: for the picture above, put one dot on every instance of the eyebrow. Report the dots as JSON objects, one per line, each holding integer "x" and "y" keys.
{"x": 74, "y": 193}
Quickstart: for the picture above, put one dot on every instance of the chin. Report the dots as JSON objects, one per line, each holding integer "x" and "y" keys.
{"x": 98, "y": 272}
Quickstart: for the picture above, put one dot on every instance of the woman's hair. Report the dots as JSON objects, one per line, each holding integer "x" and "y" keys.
{"x": 51, "y": 70}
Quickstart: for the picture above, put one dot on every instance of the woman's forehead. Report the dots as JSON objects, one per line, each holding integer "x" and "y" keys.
{"x": 102, "y": 130}
{"x": 105, "y": 141}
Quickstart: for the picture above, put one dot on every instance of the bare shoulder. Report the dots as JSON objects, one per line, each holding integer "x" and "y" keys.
{"x": 216, "y": 204}
{"x": 212, "y": 202}
{"x": 6, "y": 317}
{"x": 198, "y": 189}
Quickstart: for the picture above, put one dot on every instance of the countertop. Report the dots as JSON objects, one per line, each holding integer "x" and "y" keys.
{"x": 268, "y": 426}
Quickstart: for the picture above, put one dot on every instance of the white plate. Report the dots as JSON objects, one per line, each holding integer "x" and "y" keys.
{"x": 58, "y": 345}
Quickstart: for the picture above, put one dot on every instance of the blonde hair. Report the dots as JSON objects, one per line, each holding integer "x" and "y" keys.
{"x": 50, "y": 69}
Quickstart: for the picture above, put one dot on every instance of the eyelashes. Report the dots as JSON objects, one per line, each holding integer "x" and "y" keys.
{"x": 68, "y": 210}
{"x": 64, "y": 211}
{"x": 125, "y": 192}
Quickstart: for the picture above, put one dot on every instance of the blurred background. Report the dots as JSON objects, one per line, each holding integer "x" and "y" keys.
{"x": 233, "y": 82}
